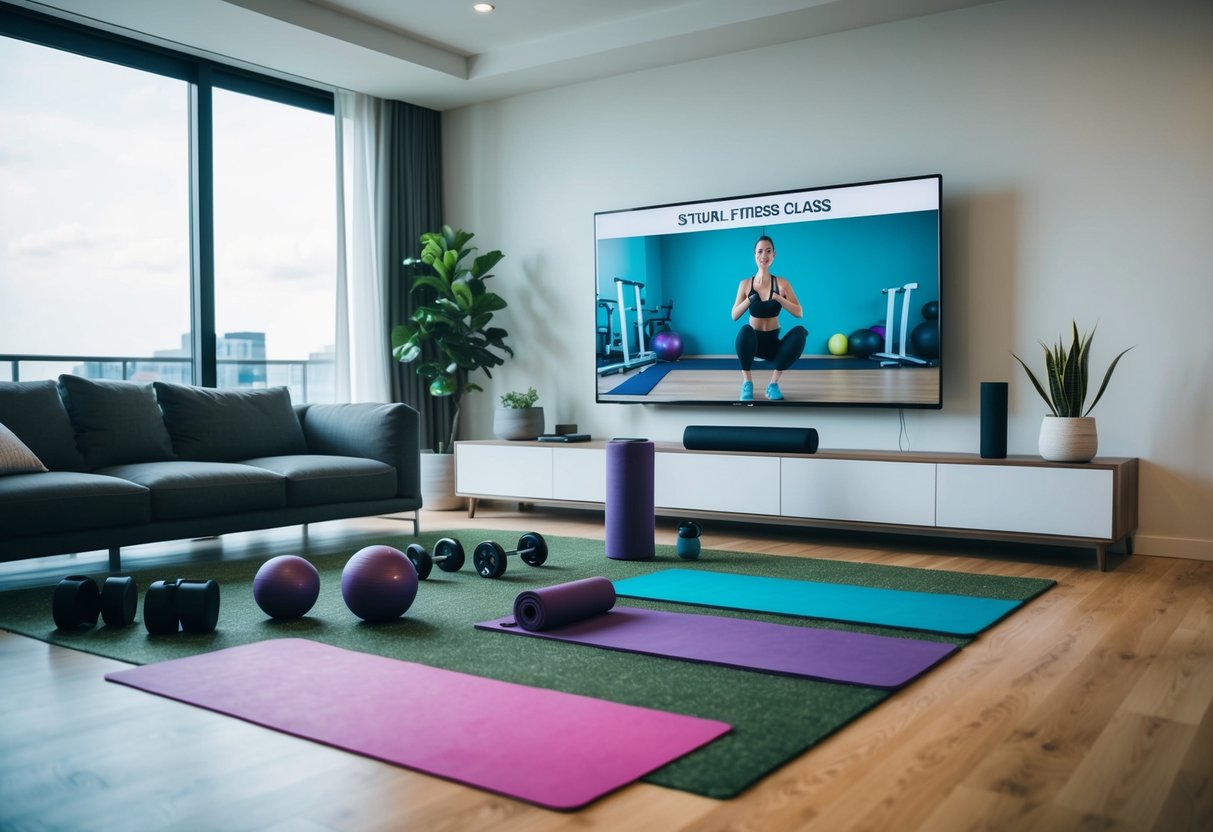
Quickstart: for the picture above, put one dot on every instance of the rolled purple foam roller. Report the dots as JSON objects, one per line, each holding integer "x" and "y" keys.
{"x": 555, "y": 606}
{"x": 631, "y": 525}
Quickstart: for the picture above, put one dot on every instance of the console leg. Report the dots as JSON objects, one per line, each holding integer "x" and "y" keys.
{"x": 1101, "y": 556}
{"x": 472, "y": 507}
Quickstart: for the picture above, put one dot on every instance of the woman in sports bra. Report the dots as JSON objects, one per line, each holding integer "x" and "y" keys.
{"x": 764, "y": 296}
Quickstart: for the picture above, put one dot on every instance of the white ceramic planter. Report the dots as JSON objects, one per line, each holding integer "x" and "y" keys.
{"x": 438, "y": 482}
{"x": 517, "y": 422}
{"x": 1068, "y": 438}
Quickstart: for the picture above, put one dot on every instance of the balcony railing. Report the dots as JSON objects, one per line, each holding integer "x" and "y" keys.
{"x": 305, "y": 379}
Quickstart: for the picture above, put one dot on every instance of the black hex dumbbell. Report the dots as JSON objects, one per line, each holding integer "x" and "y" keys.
{"x": 77, "y": 602}
{"x": 192, "y": 606}
{"x": 448, "y": 555}
{"x": 489, "y": 557}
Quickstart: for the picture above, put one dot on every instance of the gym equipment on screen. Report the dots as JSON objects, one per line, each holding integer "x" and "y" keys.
{"x": 582, "y": 612}
{"x": 961, "y": 615}
{"x": 575, "y": 750}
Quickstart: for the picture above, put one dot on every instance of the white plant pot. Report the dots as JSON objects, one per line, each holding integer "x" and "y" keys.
{"x": 517, "y": 422}
{"x": 1068, "y": 438}
{"x": 438, "y": 482}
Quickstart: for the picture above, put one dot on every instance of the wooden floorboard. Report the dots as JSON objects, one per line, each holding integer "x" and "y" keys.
{"x": 1092, "y": 708}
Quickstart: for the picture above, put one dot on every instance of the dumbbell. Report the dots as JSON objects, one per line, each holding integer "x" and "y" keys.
{"x": 448, "y": 554}
{"x": 77, "y": 602}
{"x": 192, "y": 606}
{"x": 489, "y": 556}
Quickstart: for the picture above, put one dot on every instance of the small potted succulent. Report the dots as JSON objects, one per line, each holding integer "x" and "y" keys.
{"x": 1068, "y": 433}
{"x": 517, "y": 417}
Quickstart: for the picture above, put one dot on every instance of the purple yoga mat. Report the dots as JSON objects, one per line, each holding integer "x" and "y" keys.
{"x": 808, "y": 652}
{"x": 555, "y": 749}
{"x": 631, "y": 520}
{"x": 554, "y": 606}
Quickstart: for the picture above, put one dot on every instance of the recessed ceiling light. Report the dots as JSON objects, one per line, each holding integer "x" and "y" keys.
{"x": 483, "y": 8}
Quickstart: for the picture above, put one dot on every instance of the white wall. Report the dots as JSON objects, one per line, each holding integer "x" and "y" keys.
{"x": 1076, "y": 144}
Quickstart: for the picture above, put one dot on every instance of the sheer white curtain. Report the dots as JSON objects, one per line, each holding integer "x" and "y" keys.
{"x": 363, "y": 361}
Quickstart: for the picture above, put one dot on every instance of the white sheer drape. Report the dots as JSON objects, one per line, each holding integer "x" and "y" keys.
{"x": 362, "y": 356}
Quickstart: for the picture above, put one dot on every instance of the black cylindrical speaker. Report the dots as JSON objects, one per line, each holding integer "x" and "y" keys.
{"x": 994, "y": 419}
{"x": 739, "y": 438}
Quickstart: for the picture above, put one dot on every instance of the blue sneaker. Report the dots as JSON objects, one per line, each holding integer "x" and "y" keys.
{"x": 774, "y": 393}
{"x": 747, "y": 391}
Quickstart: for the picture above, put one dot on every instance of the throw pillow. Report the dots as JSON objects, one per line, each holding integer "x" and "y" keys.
{"x": 34, "y": 412}
{"x": 208, "y": 425}
{"x": 117, "y": 422}
{"x": 15, "y": 458}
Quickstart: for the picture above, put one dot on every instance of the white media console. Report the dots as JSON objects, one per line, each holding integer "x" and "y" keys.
{"x": 1091, "y": 504}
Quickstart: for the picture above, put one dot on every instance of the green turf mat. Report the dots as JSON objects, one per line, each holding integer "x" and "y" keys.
{"x": 775, "y": 718}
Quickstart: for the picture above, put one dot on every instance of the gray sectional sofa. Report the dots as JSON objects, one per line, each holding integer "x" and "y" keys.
{"x": 88, "y": 464}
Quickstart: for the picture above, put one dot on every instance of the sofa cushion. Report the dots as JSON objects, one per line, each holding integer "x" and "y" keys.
{"x": 201, "y": 489}
{"x": 15, "y": 457}
{"x": 316, "y": 479}
{"x": 65, "y": 501}
{"x": 34, "y": 412}
{"x": 211, "y": 425}
{"x": 117, "y": 422}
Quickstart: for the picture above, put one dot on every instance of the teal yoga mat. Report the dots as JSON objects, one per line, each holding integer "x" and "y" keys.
{"x": 962, "y": 615}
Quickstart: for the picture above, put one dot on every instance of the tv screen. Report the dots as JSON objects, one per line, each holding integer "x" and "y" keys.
{"x": 823, "y": 296}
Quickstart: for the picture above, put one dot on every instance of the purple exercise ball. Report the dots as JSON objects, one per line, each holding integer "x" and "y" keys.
{"x": 668, "y": 345}
{"x": 286, "y": 587}
{"x": 379, "y": 583}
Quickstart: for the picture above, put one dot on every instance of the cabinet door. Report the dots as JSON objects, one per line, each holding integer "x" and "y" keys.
{"x": 1036, "y": 499}
{"x": 868, "y": 491}
{"x": 579, "y": 474}
{"x": 717, "y": 482}
{"x": 500, "y": 470}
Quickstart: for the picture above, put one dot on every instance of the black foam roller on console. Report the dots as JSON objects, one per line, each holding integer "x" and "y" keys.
{"x": 743, "y": 438}
{"x": 993, "y": 419}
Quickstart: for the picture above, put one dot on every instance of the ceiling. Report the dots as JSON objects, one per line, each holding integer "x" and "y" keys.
{"x": 442, "y": 54}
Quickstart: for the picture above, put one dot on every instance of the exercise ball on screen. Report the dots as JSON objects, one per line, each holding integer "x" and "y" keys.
{"x": 925, "y": 338}
{"x": 379, "y": 583}
{"x": 286, "y": 587}
{"x": 837, "y": 345}
{"x": 880, "y": 330}
{"x": 667, "y": 344}
{"x": 930, "y": 310}
{"x": 864, "y": 342}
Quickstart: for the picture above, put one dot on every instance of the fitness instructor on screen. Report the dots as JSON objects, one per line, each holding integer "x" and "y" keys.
{"x": 764, "y": 296}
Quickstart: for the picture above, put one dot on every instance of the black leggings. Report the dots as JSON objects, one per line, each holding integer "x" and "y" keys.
{"x": 768, "y": 345}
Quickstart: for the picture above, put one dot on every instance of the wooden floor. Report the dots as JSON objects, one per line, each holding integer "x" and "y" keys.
{"x": 1089, "y": 709}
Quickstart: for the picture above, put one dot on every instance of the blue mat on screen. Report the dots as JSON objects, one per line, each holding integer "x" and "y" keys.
{"x": 960, "y": 615}
{"x": 643, "y": 382}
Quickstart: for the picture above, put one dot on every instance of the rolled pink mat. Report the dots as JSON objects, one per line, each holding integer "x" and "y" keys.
{"x": 555, "y": 606}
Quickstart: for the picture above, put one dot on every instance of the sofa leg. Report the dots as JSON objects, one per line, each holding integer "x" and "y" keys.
{"x": 115, "y": 558}
{"x": 416, "y": 523}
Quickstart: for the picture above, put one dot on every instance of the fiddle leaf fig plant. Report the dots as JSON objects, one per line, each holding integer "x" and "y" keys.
{"x": 455, "y": 318}
{"x": 1066, "y": 371}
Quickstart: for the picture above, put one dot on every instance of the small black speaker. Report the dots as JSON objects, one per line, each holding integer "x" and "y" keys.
{"x": 760, "y": 439}
{"x": 994, "y": 419}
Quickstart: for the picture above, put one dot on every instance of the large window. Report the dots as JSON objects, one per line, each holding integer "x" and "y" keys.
{"x": 163, "y": 217}
{"x": 275, "y": 244}
{"x": 94, "y": 223}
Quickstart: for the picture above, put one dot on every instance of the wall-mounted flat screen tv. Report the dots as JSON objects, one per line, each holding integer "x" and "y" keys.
{"x": 832, "y": 293}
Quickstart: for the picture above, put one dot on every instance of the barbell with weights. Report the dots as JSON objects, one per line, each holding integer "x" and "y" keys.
{"x": 448, "y": 555}
{"x": 489, "y": 557}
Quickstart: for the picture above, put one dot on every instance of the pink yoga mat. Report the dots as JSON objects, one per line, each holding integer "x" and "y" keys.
{"x": 809, "y": 652}
{"x": 554, "y": 749}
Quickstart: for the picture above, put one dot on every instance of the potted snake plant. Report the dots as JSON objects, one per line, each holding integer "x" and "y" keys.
{"x": 1068, "y": 433}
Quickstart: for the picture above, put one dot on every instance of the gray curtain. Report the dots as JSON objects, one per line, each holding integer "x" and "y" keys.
{"x": 414, "y": 207}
